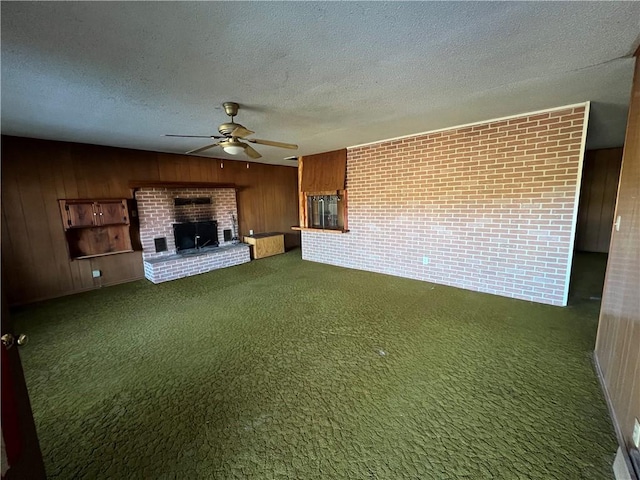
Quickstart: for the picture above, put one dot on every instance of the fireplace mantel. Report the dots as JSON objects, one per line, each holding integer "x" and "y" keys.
{"x": 135, "y": 184}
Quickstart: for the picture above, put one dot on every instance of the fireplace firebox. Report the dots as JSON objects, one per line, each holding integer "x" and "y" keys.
{"x": 195, "y": 235}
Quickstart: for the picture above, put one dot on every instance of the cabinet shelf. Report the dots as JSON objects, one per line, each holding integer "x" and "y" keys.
{"x": 96, "y": 227}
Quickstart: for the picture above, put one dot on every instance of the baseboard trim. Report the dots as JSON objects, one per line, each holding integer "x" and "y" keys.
{"x": 119, "y": 282}
{"x": 620, "y": 468}
{"x": 73, "y": 292}
{"x": 614, "y": 420}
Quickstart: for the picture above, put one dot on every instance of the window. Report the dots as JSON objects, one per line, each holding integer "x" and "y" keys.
{"x": 325, "y": 212}
{"x": 322, "y": 197}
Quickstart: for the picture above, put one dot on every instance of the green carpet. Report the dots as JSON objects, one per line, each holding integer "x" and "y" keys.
{"x": 288, "y": 369}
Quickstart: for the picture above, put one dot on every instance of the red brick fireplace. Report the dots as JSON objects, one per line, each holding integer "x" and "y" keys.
{"x": 160, "y": 209}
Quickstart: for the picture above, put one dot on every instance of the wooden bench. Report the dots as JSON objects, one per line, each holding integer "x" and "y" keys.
{"x": 265, "y": 244}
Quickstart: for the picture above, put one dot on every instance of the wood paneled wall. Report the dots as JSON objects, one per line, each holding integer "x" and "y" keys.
{"x": 600, "y": 175}
{"x": 324, "y": 171}
{"x": 618, "y": 341}
{"x": 35, "y": 173}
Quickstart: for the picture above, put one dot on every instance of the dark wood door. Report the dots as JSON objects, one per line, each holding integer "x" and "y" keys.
{"x": 600, "y": 175}
{"x": 112, "y": 213}
{"x": 18, "y": 428}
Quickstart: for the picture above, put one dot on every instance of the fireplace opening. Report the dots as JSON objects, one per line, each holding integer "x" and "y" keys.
{"x": 193, "y": 236}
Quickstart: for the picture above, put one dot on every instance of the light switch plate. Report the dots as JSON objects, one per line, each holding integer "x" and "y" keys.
{"x": 96, "y": 273}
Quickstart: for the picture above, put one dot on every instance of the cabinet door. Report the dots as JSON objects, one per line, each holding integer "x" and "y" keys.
{"x": 80, "y": 214}
{"x": 112, "y": 213}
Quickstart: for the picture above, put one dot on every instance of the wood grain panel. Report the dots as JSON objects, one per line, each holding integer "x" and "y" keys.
{"x": 63, "y": 174}
{"x": 117, "y": 269}
{"x": 36, "y": 173}
{"x": 324, "y": 171}
{"x": 15, "y": 257}
{"x": 32, "y": 200}
{"x": 601, "y": 172}
{"x": 618, "y": 342}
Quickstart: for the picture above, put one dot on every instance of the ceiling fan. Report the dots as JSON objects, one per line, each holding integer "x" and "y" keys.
{"x": 231, "y": 133}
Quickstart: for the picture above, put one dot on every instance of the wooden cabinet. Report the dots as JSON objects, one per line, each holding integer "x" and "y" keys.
{"x": 96, "y": 227}
{"x": 265, "y": 244}
{"x": 93, "y": 213}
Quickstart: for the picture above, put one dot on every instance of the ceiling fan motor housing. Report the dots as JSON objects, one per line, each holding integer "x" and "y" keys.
{"x": 231, "y": 109}
{"x": 226, "y": 128}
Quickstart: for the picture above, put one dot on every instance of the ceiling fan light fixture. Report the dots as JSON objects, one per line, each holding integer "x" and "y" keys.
{"x": 233, "y": 148}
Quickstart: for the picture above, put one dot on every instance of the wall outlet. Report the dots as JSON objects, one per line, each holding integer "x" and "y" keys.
{"x": 250, "y": 232}
{"x": 635, "y": 438}
{"x": 425, "y": 260}
{"x": 96, "y": 273}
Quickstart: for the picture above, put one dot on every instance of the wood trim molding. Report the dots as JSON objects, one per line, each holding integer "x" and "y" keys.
{"x": 319, "y": 230}
{"x": 614, "y": 418}
{"x": 134, "y": 184}
{"x": 304, "y": 214}
{"x": 325, "y": 192}
{"x": 302, "y": 205}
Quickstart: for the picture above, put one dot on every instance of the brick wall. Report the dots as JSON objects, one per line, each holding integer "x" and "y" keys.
{"x": 158, "y": 213}
{"x": 489, "y": 207}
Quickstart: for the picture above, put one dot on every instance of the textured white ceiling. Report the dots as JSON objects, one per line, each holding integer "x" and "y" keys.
{"x": 325, "y": 75}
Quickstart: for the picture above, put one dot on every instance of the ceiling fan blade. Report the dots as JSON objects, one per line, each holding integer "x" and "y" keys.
{"x": 272, "y": 144}
{"x": 195, "y": 136}
{"x": 251, "y": 152}
{"x": 241, "y": 132}
{"x": 202, "y": 149}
